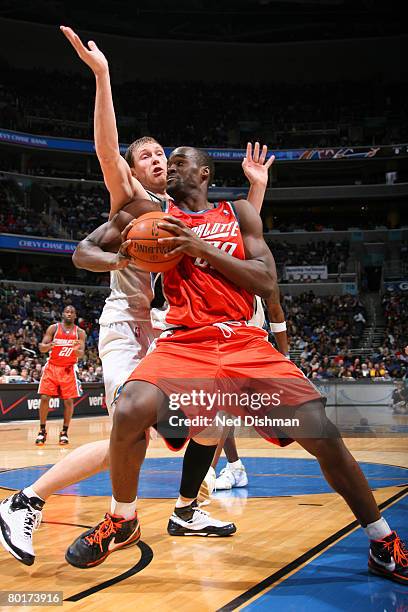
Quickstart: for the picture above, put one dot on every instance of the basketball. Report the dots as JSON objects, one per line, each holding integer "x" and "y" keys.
{"x": 145, "y": 251}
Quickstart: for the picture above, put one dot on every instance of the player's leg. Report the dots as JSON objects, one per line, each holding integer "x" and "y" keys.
{"x": 187, "y": 518}
{"x": 139, "y": 406}
{"x": 315, "y": 432}
{"x": 234, "y": 473}
{"x": 44, "y": 409}
{"x": 47, "y": 388}
{"x": 68, "y": 412}
{"x": 319, "y": 436}
{"x": 70, "y": 388}
{"x": 20, "y": 514}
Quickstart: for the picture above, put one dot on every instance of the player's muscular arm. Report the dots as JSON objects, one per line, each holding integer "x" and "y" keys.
{"x": 46, "y": 343}
{"x": 105, "y": 248}
{"x": 80, "y": 344}
{"x": 256, "y": 273}
{"x": 118, "y": 178}
{"x": 276, "y": 315}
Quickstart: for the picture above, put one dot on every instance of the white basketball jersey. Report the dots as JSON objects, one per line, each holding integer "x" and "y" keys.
{"x": 131, "y": 292}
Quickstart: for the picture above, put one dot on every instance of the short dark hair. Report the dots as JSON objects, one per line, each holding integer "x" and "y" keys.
{"x": 203, "y": 159}
{"x": 136, "y": 145}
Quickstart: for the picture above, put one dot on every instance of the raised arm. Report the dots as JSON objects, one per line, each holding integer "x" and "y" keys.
{"x": 256, "y": 273}
{"x": 120, "y": 182}
{"x": 256, "y": 170}
{"x": 104, "y": 249}
{"x": 47, "y": 343}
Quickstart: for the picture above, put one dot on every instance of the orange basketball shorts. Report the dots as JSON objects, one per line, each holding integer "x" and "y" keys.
{"x": 60, "y": 381}
{"x": 234, "y": 370}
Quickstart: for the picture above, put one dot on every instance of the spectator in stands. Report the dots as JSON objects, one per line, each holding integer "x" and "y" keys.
{"x": 400, "y": 399}
{"x": 378, "y": 372}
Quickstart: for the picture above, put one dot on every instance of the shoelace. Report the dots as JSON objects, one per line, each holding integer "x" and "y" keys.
{"x": 32, "y": 522}
{"x": 398, "y": 550}
{"x": 105, "y": 529}
{"x": 199, "y": 510}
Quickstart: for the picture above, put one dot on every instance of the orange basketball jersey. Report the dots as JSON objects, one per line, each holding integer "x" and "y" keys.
{"x": 198, "y": 294}
{"x": 64, "y": 353}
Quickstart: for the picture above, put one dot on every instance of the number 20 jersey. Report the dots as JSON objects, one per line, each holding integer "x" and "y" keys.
{"x": 196, "y": 293}
{"x": 63, "y": 353}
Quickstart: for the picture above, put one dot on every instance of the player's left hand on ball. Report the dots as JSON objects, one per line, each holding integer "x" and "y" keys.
{"x": 185, "y": 240}
{"x": 122, "y": 259}
{"x": 125, "y": 231}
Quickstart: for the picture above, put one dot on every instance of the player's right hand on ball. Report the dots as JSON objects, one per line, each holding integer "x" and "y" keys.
{"x": 91, "y": 55}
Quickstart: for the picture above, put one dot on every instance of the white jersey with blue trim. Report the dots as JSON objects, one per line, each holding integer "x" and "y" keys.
{"x": 131, "y": 292}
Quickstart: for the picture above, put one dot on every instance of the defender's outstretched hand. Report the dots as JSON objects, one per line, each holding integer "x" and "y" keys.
{"x": 91, "y": 55}
{"x": 255, "y": 165}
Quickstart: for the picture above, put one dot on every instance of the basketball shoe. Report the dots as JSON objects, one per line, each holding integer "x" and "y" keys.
{"x": 207, "y": 488}
{"x": 389, "y": 558}
{"x": 95, "y": 545}
{"x": 19, "y": 517}
{"x": 231, "y": 477}
{"x": 63, "y": 438}
{"x": 41, "y": 438}
{"x": 191, "y": 520}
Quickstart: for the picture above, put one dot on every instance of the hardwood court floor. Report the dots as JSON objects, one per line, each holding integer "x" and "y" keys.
{"x": 185, "y": 574}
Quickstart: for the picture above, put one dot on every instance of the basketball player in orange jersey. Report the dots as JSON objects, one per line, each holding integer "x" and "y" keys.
{"x": 210, "y": 295}
{"x": 125, "y": 328}
{"x": 65, "y": 342}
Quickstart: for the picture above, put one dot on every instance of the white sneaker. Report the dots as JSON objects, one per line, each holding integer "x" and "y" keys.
{"x": 207, "y": 488}
{"x": 19, "y": 517}
{"x": 191, "y": 520}
{"x": 231, "y": 477}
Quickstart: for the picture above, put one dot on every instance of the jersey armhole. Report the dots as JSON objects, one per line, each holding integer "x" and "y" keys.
{"x": 234, "y": 210}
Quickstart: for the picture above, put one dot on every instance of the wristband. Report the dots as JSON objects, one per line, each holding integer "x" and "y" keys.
{"x": 277, "y": 327}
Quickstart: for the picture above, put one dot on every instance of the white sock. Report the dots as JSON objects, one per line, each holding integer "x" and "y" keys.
{"x": 29, "y": 491}
{"x": 125, "y": 509}
{"x": 378, "y": 530}
{"x": 182, "y": 503}
{"x": 236, "y": 465}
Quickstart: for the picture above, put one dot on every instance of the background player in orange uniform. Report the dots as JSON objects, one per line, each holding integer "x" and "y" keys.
{"x": 65, "y": 342}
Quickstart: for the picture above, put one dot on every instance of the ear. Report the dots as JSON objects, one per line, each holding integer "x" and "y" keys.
{"x": 205, "y": 173}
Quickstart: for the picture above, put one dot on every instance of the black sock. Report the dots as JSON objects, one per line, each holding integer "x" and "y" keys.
{"x": 196, "y": 463}
{"x": 42, "y": 427}
{"x": 65, "y": 429}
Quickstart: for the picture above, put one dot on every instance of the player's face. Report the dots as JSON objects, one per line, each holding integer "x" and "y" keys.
{"x": 150, "y": 166}
{"x": 69, "y": 314}
{"x": 183, "y": 173}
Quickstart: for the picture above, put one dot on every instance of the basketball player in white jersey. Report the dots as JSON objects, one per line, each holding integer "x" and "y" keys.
{"x": 126, "y": 330}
